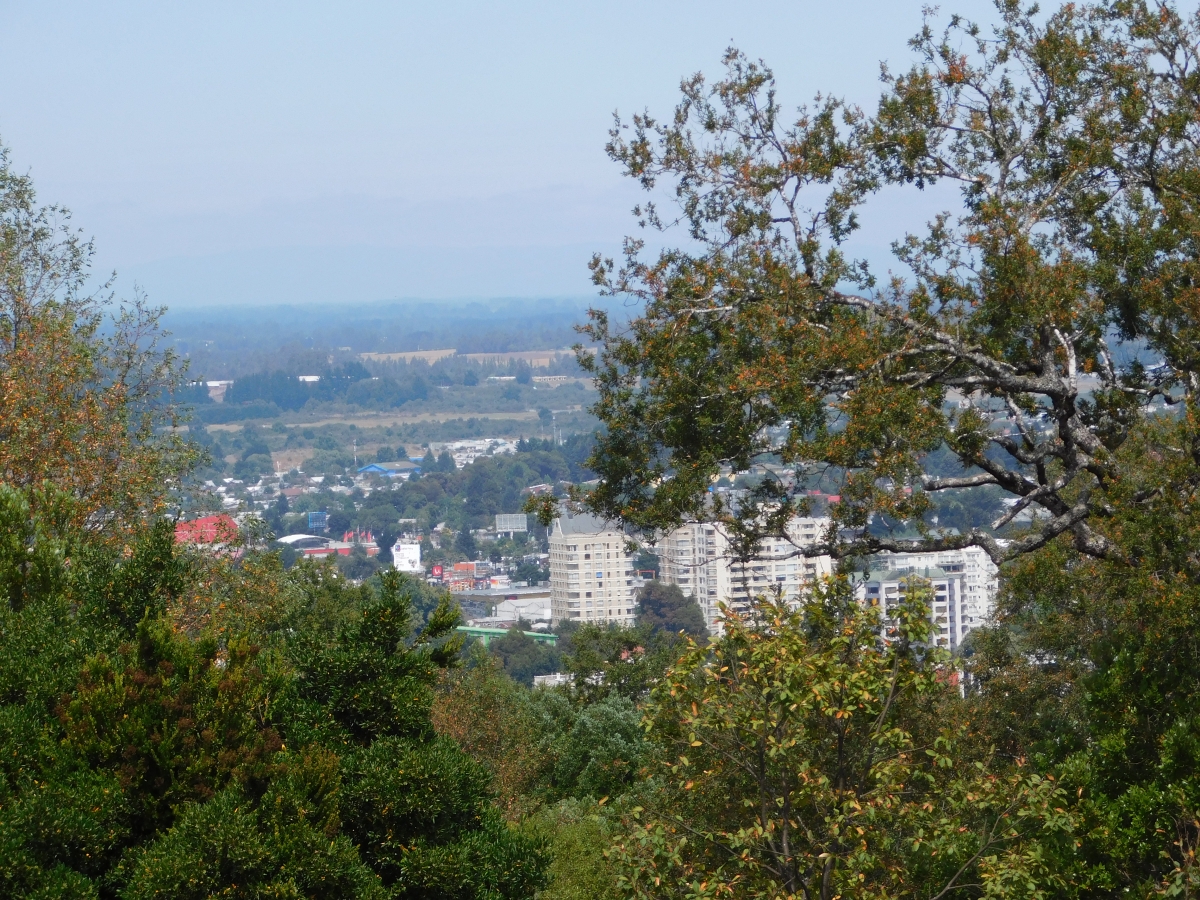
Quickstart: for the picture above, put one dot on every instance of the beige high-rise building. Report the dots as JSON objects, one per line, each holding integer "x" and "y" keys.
{"x": 697, "y": 558}
{"x": 591, "y": 573}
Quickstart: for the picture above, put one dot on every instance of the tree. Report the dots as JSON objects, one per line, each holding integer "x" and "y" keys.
{"x": 282, "y": 748}
{"x": 357, "y": 564}
{"x": 484, "y": 711}
{"x": 464, "y": 543}
{"x": 609, "y": 659}
{"x": 1071, "y": 251}
{"x": 531, "y": 573}
{"x": 664, "y": 607}
{"x": 85, "y": 388}
{"x": 801, "y": 756}
{"x": 522, "y": 657}
{"x": 1107, "y": 654}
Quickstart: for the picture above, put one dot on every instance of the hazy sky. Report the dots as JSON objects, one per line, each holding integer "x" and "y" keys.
{"x": 273, "y": 152}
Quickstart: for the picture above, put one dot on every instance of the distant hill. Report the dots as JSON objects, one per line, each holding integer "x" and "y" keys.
{"x": 226, "y": 342}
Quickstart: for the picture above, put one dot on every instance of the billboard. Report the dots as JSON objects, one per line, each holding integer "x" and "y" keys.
{"x": 512, "y": 522}
{"x": 406, "y": 557}
{"x": 318, "y": 521}
{"x": 436, "y": 571}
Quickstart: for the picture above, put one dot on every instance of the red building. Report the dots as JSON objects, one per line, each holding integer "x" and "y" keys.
{"x": 207, "y": 530}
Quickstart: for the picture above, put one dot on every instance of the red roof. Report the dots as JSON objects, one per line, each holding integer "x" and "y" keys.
{"x": 207, "y": 530}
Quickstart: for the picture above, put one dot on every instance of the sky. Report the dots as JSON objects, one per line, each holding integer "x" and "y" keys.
{"x": 263, "y": 153}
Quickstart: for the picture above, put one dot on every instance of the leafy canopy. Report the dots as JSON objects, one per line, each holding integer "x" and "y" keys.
{"x": 1071, "y": 137}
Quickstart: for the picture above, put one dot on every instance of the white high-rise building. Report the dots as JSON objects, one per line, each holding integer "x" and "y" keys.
{"x": 886, "y": 589}
{"x": 591, "y": 572}
{"x": 964, "y": 584}
{"x": 697, "y": 558}
{"x": 980, "y": 576}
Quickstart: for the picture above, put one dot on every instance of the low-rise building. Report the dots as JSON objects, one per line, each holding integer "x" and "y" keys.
{"x": 317, "y": 546}
{"x": 466, "y": 452}
{"x": 207, "y": 530}
{"x": 591, "y": 572}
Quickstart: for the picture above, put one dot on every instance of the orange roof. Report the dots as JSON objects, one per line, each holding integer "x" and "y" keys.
{"x": 207, "y": 530}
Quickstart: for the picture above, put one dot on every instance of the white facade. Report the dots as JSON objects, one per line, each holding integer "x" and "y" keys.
{"x": 697, "y": 558}
{"x": 406, "y": 557}
{"x": 466, "y": 452}
{"x": 980, "y": 576}
{"x": 591, "y": 573}
{"x": 964, "y": 584}
{"x": 947, "y": 606}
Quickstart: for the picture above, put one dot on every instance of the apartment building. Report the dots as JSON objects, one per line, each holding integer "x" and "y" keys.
{"x": 697, "y": 558}
{"x": 947, "y": 608}
{"x": 979, "y": 575}
{"x": 591, "y": 573}
{"x": 964, "y": 584}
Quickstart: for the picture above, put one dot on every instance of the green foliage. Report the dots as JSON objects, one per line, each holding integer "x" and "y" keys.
{"x": 485, "y": 712}
{"x": 609, "y": 659}
{"x": 579, "y": 837}
{"x": 322, "y": 602}
{"x": 171, "y": 721}
{"x": 31, "y": 555}
{"x": 368, "y": 682}
{"x": 522, "y": 657}
{"x": 292, "y": 758}
{"x": 801, "y": 755}
{"x": 358, "y": 565}
{"x": 1008, "y": 334}
{"x": 1107, "y": 655}
{"x": 265, "y": 849}
{"x": 665, "y": 608}
{"x": 421, "y": 813}
{"x": 595, "y": 749}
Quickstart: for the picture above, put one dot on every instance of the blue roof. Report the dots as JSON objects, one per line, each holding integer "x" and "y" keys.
{"x": 376, "y": 467}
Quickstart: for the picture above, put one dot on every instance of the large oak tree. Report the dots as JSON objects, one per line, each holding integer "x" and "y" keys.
{"x": 1025, "y": 329}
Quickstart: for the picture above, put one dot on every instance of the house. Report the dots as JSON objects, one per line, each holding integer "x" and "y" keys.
{"x": 376, "y": 469}
{"x": 207, "y": 530}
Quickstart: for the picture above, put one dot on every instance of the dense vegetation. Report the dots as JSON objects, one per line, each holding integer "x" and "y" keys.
{"x": 284, "y": 750}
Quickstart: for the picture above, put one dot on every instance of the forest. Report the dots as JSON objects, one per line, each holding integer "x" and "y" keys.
{"x": 185, "y": 722}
